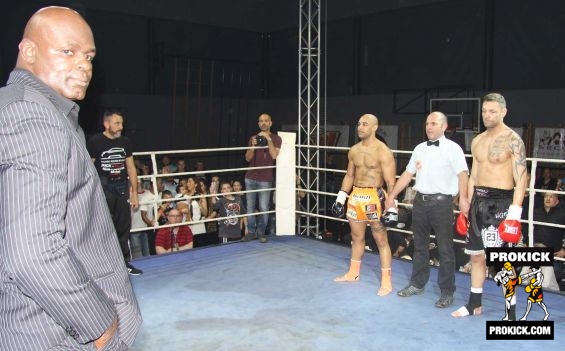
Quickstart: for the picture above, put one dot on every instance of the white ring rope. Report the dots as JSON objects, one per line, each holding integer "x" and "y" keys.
{"x": 153, "y": 155}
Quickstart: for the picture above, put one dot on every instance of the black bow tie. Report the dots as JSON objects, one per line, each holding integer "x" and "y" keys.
{"x": 435, "y": 143}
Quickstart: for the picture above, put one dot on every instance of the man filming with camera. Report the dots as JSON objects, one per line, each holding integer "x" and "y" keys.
{"x": 257, "y": 179}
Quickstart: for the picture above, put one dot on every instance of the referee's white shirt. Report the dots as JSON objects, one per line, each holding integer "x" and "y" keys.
{"x": 436, "y": 167}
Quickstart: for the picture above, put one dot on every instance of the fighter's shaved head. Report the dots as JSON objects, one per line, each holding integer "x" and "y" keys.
{"x": 371, "y": 118}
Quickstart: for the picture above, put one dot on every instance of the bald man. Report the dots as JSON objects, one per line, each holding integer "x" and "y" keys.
{"x": 62, "y": 276}
{"x": 260, "y": 179}
{"x": 441, "y": 174}
{"x": 370, "y": 165}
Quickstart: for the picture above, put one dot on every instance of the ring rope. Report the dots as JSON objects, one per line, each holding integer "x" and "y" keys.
{"x": 153, "y": 154}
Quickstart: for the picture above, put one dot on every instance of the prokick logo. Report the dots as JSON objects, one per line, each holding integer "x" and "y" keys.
{"x": 506, "y": 261}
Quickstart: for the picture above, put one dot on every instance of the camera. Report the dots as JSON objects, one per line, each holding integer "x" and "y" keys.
{"x": 261, "y": 140}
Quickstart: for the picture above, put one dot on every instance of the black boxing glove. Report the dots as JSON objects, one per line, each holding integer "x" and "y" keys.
{"x": 390, "y": 217}
{"x": 337, "y": 208}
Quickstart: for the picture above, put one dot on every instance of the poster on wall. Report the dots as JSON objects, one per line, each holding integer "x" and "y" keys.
{"x": 549, "y": 143}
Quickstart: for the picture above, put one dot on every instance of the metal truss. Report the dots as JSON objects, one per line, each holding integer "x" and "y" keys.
{"x": 309, "y": 52}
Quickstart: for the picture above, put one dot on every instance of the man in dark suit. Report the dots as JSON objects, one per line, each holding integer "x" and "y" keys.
{"x": 62, "y": 276}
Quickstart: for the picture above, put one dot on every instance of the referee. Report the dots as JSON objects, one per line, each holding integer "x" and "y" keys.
{"x": 441, "y": 173}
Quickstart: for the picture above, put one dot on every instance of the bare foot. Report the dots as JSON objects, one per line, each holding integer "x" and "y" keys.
{"x": 386, "y": 282}
{"x": 464, "y": 312}
{"x": 347, "y": 278}
{"x": 384, "y": 290}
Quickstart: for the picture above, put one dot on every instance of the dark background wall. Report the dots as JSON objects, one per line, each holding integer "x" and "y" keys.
{"x": 189, "y": 84}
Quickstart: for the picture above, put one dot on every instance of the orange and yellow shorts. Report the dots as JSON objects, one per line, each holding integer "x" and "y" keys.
{"x": 365, "y": 204}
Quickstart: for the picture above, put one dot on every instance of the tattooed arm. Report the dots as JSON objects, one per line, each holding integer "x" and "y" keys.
{"x": 519, "y": 170}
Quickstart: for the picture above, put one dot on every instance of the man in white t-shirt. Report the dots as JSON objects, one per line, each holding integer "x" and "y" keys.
{"x": 142, "y": 217}
{"x": 139, "y": 239}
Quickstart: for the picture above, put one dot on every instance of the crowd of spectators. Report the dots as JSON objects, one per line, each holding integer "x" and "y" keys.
{"x": 198, "y": 195}
{"x": 195, "y": 196}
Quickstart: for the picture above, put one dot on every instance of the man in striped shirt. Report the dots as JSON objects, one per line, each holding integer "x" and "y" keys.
{"x": 63, "y": 281}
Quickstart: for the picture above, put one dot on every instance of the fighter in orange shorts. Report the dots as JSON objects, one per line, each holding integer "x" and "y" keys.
{"x": 370, "y": 165}
{"x": 365, "y": 204}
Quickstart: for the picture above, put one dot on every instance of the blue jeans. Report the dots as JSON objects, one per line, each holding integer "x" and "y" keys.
{"x": 139, "y": 239}
{"x": 257, "y": 224}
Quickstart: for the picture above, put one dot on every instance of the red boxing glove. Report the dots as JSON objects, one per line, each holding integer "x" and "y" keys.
{"x": 510, "y": 230}
{"x": 462, "y": 224}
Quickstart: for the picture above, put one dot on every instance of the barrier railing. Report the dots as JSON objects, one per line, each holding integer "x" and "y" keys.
{"x": 534, "y": 164}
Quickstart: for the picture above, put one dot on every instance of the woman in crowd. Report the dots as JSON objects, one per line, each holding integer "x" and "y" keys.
{"x": 198, "y": 206}
{"x": 237, "y": 187}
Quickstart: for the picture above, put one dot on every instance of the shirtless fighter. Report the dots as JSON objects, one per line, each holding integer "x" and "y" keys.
{"x": 496, "y": 188}
{"x": 370, "y": 165}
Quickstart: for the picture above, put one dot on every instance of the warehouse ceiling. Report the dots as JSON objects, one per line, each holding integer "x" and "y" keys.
{"x": 251, "y": 15}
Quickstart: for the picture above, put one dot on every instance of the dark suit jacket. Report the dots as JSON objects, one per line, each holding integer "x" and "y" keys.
{"x": 62, "y": 275}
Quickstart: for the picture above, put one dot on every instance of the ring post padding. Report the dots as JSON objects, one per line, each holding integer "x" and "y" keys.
{"x": 285, "y": 193}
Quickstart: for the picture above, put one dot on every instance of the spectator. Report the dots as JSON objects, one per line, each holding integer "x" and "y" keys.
{"x": 199, "y": 167}
{"x": 170, "y": 166}
{"x": 160, "y": 187}
{"x": 405, "y": 248}
{"x": 182, "y": 182}
{"x": 143, "y": 169}
{"x": 229, "y": 206}
{"x": 546, "y": 236}
{"x": 198, "y": 207}
{"x": 181, "y": 168}
{"x": 546, "y": 182}
{"x": 169, "y": 182}
{"x": 164, "y": 207}
{"x": 202, "y": 188}
{"x": 260, "y": 179}
{"x": 182, "y": 203}
{"x": 147, "y": 210}
{"x": 173, "y": 239}
{"x": 237, "y": 188}
{"x": 561, "y": 184}
{"x": 139, "y": 239}
{"x": 215, "y": 184}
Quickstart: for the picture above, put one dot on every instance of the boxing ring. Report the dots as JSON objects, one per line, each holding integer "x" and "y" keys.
{"x": 281, "y": 295}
